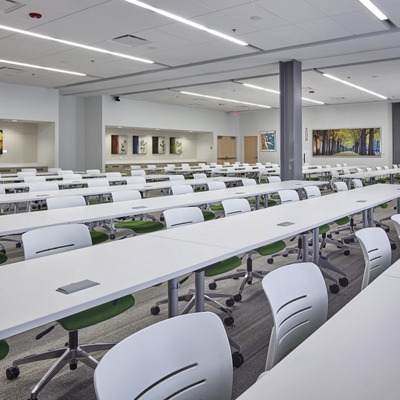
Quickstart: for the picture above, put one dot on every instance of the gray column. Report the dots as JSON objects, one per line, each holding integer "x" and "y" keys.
{"x": 291, "y": 120}
{"x": 396, "y": 132}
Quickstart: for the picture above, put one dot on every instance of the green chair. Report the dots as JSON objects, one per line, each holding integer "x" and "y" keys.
{"x": 4, "y": 349}
{"x": 137, "y": 226}
{"x": 54, "y": 203}
{"x": 58, "y": 239}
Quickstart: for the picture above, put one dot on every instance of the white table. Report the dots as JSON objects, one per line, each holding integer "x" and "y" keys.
{"x": 372, "y": 175}
{"x": 354, "y": 355}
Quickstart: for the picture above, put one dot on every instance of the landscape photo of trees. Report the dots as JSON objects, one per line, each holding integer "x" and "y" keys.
{"x": 347, "y": 142}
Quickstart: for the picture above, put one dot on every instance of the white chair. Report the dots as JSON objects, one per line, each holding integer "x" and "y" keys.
{"x": 152, "y": 168}
{"x": 185, "y": 165}
{"x": 216, "y": 185}
{"x": 40, "y": 187}
{"x": 138, "y": 172}
{"x": 71, "y": 177}
{"x": 133, "y": 180}
{"x": 181, "y": 189}
{"x": 25, "y": 174}
{"x": 202, "y": 369}
{"x": 340, "y": 187}
{"x": 65, "y": 171}
{"x": 97, "y": 182}
{"x": 176, "y": 178}
{"x": 377, "y": 252}
{"x": 29, "y": 170}
{"x": 53, "y": 170}
{"x": 34, "y": 179}
{"x": 274, "y": 179}
{"x": 93, "y": 171}
{"x": 171, "y": 165}
{"x": 113, "y": 174}
{"x": 288, "y": 196}
{"x": 201, "y": 175}
{"x": 136, "y": 167}
{"x": 53, "y": 240}
{"x": 299, "y": 304}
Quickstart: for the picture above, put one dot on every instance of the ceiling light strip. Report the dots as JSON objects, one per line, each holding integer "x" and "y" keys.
{"x": 67, "y": 42}
{"x": 187, "y": 22}
{"x": 229, "y": 100}
{"x": 354, "y": 86}
{"x": 39, "y": 67}
{"x": 374, "y": 9}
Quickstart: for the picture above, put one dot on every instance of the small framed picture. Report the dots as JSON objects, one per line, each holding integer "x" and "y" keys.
{"x": 268, "y": 141}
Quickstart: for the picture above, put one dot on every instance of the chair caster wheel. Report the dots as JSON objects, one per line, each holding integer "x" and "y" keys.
{"x": 230, "y": 302}
{"x": 329, "y": 236}
{"x": 228, "y": 321}
{"x": 3, "y": 251}
{"x": 334, "y": 288}
{"x": 346, "y": 241}
{"x": 155, "y": 310}
{"x": 351, "y": 240}
{"x": 393, "y": 246}
{"x": 347, "y": 253}
{"x": 284, "y": 255}
{"x": 18, "y": 245}
{"x": 237, "y": 297}
{"x": 270, "y": 261}
{"x": 212, "y": 286}
{"x": 12, "y": 373}
{"x": 343, "y": 282}
{"x": 378, "y": 225}
{"x": 237, "y": 359}
{"x": 112, "y": 236}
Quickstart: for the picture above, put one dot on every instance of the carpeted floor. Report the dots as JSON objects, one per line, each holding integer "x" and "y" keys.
{"x": 253, "y": 323}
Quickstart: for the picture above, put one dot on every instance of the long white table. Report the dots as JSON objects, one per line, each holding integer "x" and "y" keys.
{"x": 354, "y": 355}
{"x": 372, "y": 175}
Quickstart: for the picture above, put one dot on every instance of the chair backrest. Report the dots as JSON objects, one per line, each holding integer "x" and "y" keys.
{"x": 368, "y": 169}
{"x": 288, "y": 196}
{"x": 138, "y": 172}
{"x": 185, "y": 165}
{"x": 181, "y": 189}
{"x": 34, "y": 179}
{"x": 126, "y": 195}
{"x": 378, "y": 168}
{"x": 152, "y": 166}
{"x": 248, "y": 182}
{"x": 42, "y": 186}
{"x": 337, "y": 165}
{"x": 327, "y": 165}
{"x": 201, "y": 175}
{"x": 235, "y": 206}
{"x": 298, "y": 300}
{"x": 171, "y": 165}
{"x": 340, "y": 187}
{"x": 258, "y": 164}
{"x": 65, "y": 171}
{"x": 312, "y": 191}
{"x": 176, "y": 178}
{"x": 213, "y": 164}
{"x": 385, "y": 167}
{"x": 113, "y": 175}
{"x": 2, "y": 190}
{"x": 334, "y": 174}
{"x": 53, "y": 170}
{"x": 132, "y": 180}
{"x": 70, "y": 177}
{"x": 275, "y": 165}
{"x": 97, "y": 182}
{"x": 359, "y": 169}
{"x": 176, "y": 217}
{"x": 25, "y": 174}
{"x": 216, "y": 185}
{"x": 227, "y": 163}
{"x": 357, "y": 183}
{"x": 55, "y": 239}
{"x": 273, "y": 179}
{"x": 93, "y": 171}
{"x": 136, "y": 167}
{"x": 54, "y": 203}
{"x": 202, "y": 164}
{"x": 346, "y": 171}
{"x": 344, "y": 164}
{"x": 29, "y": 170}
{"x": 395, "y": 166}
{"x": 377, "y": 253}
{"x": 203, "y": 370}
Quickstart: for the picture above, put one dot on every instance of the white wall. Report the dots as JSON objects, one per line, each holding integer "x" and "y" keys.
{"x": 325, "y": 117}
{"x": 45, "y": 143}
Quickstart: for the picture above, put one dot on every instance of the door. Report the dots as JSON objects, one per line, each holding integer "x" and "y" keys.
{"x": 250, "y": 149}
{"x": 226, "y": 149}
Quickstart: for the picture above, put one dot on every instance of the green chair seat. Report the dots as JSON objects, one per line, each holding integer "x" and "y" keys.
{"x": 218, "y": 207}
{"x": 342, "y": 221}
{"x": 224, "y": 266}
{"x": 271, "y": 203}
{"x": 384, "y": 205}
{"x": 275, "y": 197}
{"x": 208, "y": 215}
{"x": 4, "y": 348}
{"x": 98, "y": 237}
{"x": 272, "y": 248}
{"x": 97, "y": 314}
{"x": 140, "y": 226}
{"x": 3, "y": 258}
{"x": 324, "y": 229}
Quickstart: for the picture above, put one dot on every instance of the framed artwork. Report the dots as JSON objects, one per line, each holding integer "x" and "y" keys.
{"x": 352, "y": 142}
{"x": 175, "y": 145}
{"x": 158, "y": 143}
{"x": 268, "y": 141}
{"x": 119, "y": 144}
{"x": 1, "y": 142}
{"x": 139, "y": 144}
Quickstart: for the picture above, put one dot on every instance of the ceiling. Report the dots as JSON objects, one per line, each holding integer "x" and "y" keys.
{"x": 338, "y": 37}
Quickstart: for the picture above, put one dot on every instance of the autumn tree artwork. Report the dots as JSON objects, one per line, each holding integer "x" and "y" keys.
{"x": 347, "y": 142}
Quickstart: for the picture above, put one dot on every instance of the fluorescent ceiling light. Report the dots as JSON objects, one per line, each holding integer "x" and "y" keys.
{"x": 374, "y": 9}
{"x": 277, "y": 92}
{"x": 67, "y": 42}
{"x": 185, "y": 21}
{"x": 39, "y": 67}
{"x": 354, "y": 86}
{"x": 229, "y": 100}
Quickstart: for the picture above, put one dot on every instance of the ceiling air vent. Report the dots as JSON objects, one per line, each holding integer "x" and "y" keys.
{"x": 129, "y": 40}
{"x": 338, "y": 98}
{"x": 6, "y": 71}
{"x": 6, "y": 6}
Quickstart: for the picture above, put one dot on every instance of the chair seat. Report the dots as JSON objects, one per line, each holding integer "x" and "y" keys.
{"x": 3, "y": 349}
{"x": 218, "y": 207}
{"x": 324, "y": 229}
{"x": 98, "y": 237}
{"x": 3, "y": 258}
{"x": 97, "y": 314}
{"x": 140, "y": 226}
{"x": 384, "y": 205}
{"x": 208, "y": 215}
{"x": 342, "y": 221}
{"x": 224, "y": 266}
{"x": 272, "y": 248}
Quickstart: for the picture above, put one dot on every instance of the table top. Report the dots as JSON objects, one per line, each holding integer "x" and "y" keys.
{"x": 371, "y": 174}
{"x": 354, "y": 355}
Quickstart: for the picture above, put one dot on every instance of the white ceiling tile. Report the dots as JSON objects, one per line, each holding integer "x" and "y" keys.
{"x": 324, "y": 29}
{"x": 187, "y": 32}
{"x": 329, "y": 7}
{"x": 230, "y": 48}
{"x": 159, "y": 37}
{"x": 221, "y": 4}
{"x": 392, "y": 11}
{"x": 292, "y": 35}
{"x": 263, "y": 40}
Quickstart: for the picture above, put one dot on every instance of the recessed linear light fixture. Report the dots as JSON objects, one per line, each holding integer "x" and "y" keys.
{"x": 187, "y": 22}
{"x": 229, "y": 100}
{"x": 276, "y": 92}
{"x": 67, "y": 42}
{"x": 374, "y": 9}
{"x": 351, "y": 84}
{"x": 39, "y": 67}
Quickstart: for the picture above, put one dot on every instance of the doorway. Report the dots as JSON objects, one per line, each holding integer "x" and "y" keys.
{"x": 250, "y": 149}
{"x": 226, "y": 149}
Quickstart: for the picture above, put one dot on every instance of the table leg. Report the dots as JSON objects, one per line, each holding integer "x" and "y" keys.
{"x": 199, "y": 291}
{"x": 398, "y": 205}
{"x": 316, "y": 245}
{"x": 257, "y": 202}
{"x": 370, "y": 217}
{"x": 365, "y": 218}
{"x": 173, "y": 286}
{"x": 265, "y": 200}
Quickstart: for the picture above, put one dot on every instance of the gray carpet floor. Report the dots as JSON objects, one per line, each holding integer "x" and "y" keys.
{"x": 252, "y": 327}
